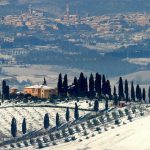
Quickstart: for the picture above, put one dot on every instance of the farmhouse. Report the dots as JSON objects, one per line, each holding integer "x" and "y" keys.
{"x": 40, "y": 91}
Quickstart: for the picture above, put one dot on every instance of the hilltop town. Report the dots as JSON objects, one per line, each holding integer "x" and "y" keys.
{"x": 34, "y": 30}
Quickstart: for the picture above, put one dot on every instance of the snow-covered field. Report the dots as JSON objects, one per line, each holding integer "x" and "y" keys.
{"x": 34, "y": 117}
{"x": 132, "y": 136}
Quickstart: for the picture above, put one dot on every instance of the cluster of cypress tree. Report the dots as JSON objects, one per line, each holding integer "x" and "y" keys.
{"x": 14, "y": 127}
{"x": 136, "y": 94}
{"x": 84, "y": 86}
{"x": 62, "y": 86}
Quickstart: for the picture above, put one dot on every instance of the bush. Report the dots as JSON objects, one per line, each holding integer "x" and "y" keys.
{"x": 96, "y": 122}
{"x": 64, "y": 133}
{"x": 77, "y": 129}
{"x": 102, "y": 119}
{"x": 85, "y": 133}
{"x": 40, "y": 144}
{"x": 73, "y": 138}
{"x": 67, "y": 140}
{"x": 80, "y": 140}
{"x": 121, "y": 113}
{"x": 12, "y": 145}
{"x": 98, "y": 128}
{"x": 25, "y": 143}
{"x": 58, "y": 136}
{"x": 18, "y": 145}
{"x": 90, "y": 125}
{"x": 126, "y": 111}
{"x": 51, "y": 137}
{"x": 130, "y": 117}
{"x": 117, "y": 121}
{"x": 83, "y": 126}
{"x": 87, "y": 137}
{"x": 32, "y": 141}
{"x": 71, "y": 132}
{"x": 54, "y": 143}
{"x": 45, "y": 139}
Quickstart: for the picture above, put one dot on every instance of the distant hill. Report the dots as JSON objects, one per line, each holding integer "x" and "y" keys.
{"x": 92, "y": 7}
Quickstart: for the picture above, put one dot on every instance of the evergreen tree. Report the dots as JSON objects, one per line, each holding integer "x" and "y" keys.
{"x": 140, "y": 95}
{"x": 132, "y": 91}
{"x": 24, "y": 128}
{"x": 65, "y": 85}
{"x": 91, "y": 85}
{"x": 44, "y": 82}
{"x": 103, "y": 85}
{"x": 59, "y": 84}
{"x": 46, "y": 121}
{"x": 81, "y": 84}
{"x": 149, "y": 94}
{"x": 126, "y": 91}
{"x": 96, "y": 105}
{"x": 75, "y": 83}
{"x": 144, "y": 94}
{"x": 14, "y": 127}
{"x": 57, "y": 120}
{"x": 98, "y": 84}
{"x": 138, "y": 92}
{"x": 106, "y": 104}
{"x": 76, "y": 112}
{"x": 115, "y": 97}
{"x": 5, "y": 90}
{"x": 67, "y": 114}
{"x": 108, "y": 88}
{"x": 86, "y": 86}
{"x": 120, "y": 89}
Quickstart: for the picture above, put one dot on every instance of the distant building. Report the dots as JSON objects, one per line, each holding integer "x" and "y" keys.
{"x": 13, "y": 90}
{"x": 40, "y": 91}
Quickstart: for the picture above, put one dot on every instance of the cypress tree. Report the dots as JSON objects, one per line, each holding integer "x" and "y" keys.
{"x": 108, "y": 88}
{"x": 76, "y": 112}
{"x": 67, "y": 114}
{"x": 86, "y": 86}
{"x": 46, "y": 121}
{"x": 120, "y": 89}
{"x": 13, "y": 127}
{"x": 81, "y": 84}
{"x": 106, "y": 104}
{"x": 149, "y": 94}
{"x": 75, "y": 83}
{"x": 91, "y": 85}
{"x": 103, "y": 85}
{"x": 126, "y": 91}
{"x": 65, "y": 85}
{"x": 59, "y": 84}
{"x": 98, "y": 84}
{"x": 115, "y": 97}
{"x": 144, "y": 94}
{"x": 138, "y": 92}
{"x": 3, "y": 89}
{"x": 140, "y": 95}
{"x": 44, "y": 82}
{"x": 24, "y": 128}
{"x": 57, "y": 120}
{"x": 96, "y": 105}
{"x": 132, "y": 91}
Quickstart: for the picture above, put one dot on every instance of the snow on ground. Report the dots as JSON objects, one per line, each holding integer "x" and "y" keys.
{"x": 34, "y": 117}
{"x": 132, "y": 136}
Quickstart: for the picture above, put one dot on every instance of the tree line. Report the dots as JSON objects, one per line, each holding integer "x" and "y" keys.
{"x": 100, "y": 87}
